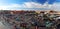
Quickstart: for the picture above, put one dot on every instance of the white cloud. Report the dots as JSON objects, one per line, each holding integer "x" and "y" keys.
{"x": 29, "y": 5}
{"x": 8, "y": 7}
{"x": 56, "y": 6}
{"x": 32, "y": 5}
{"x": 36, "y": 5}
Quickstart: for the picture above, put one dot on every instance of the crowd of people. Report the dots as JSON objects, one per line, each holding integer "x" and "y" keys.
{"x": 30, "y": 20}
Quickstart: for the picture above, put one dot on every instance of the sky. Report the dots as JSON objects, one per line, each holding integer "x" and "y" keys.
{"x": 29, "y": 4}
